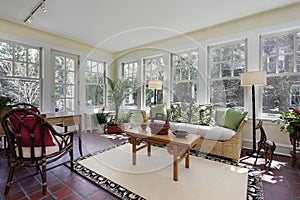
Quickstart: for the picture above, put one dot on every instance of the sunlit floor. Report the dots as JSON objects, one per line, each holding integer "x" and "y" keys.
{"x": 281, "y": 182}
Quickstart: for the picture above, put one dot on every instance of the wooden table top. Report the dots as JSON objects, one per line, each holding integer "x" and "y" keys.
{"x": 168, "y": 138}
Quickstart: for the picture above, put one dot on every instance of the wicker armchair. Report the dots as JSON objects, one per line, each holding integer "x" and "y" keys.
{"x": 33, "y": 142}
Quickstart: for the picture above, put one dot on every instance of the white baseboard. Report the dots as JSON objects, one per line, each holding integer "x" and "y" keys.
{"x": 281, "y": 149}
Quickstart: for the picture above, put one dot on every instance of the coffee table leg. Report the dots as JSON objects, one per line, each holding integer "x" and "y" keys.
{"x": 133, "y": 150}
{"x": 149, "y": 149}
{"x": 175, "y": 163}
{"x": 187, "y": 159}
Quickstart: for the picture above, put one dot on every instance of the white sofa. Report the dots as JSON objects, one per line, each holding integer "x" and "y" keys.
{"x": 215, "y": 139}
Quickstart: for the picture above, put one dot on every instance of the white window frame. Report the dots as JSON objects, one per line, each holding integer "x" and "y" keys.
{"x": 230, "y": 62}
{"x": 295, "y": 71}
{"x": 27, "y": 77}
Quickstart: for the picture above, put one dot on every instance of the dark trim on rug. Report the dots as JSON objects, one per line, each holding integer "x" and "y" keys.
{"x": 254, "y": 188}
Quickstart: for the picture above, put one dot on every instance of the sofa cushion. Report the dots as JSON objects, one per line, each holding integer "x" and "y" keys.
{"x": 159, "y": 110}
{"x": 232, "y": 119}
{"x": 207, "y": 132}
{"x": 35, "y": 127}
{"x": 207, "y": 114}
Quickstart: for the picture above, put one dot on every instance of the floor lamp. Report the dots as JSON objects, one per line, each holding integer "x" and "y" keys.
{"x": 156, "y": 85}
{"x": 256, "y": 78}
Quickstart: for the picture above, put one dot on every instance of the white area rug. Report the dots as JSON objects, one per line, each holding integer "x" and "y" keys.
{"x": 152, "y": 177}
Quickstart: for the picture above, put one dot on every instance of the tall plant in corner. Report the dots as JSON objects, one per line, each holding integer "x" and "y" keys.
{"x": 119, "y": 90}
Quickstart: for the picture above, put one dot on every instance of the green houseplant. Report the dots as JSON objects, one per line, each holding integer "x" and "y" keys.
{"x": 5, "y": 104}
{"x": 101, "y": 119}
{"x": 290, "y": 120}
{"x": 119, "y": 90}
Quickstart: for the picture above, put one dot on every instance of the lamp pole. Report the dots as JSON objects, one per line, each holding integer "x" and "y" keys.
{"x": 253, "y": 122}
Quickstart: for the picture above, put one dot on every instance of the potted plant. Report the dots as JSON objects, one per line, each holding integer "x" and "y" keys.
{"x": 5, "y": 104}
{"x": 113, "y": 127}
{"x": 125, "y": 119}
{"x": 290, "y": 120}
{"x": 101, "y": 119}
{"x": 119, "y": 90}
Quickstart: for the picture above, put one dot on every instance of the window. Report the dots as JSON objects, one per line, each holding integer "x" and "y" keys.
{"x": 280, "y": 58}
{"x": 129, "y": 71}
{"x": 65, "y": 67}
{"x": 95, "y": 83}
{"x": 154, "y": 68}
{"x": 226, "y": 62}
{"x": 20, "y": 68}
{"x": 185, "y": 76}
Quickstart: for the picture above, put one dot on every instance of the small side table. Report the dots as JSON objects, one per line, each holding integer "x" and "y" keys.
{"x": 295, "y": 140}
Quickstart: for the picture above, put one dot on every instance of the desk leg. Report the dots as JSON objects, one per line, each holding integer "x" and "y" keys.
{"x": 79, "y": 139}
{"x": 149, "y": 149}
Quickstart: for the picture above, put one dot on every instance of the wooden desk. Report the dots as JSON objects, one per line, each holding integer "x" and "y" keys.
{"x": 63, "y": 119}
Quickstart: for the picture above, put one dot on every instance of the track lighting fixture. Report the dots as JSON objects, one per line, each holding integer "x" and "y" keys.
{"x": 41, "y": 5}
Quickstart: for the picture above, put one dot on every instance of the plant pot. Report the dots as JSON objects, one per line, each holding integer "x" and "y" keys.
{"x": 125, "y": 126}
{"x": 114, "y": 129}
{"x": 100, "y": 128}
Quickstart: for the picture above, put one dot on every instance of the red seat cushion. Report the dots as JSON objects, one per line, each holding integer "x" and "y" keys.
{"x": 31, "y": 121}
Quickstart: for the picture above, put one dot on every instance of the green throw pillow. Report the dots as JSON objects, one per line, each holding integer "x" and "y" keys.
{"x": 232, "y": 119}
{"x": 160, "y": 109}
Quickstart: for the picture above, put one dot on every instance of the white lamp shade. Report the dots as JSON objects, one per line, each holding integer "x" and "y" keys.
{"x": 155, "y": 84}
{"x": 253, "y": 78}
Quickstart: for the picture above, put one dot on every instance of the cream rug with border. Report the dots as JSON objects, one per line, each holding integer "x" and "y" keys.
{"x": 152, "y": 177}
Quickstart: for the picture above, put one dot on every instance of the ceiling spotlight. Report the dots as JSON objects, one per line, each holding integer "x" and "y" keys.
{"x": 40, "y": 5}
{"x": 29, "y": 19}
{"x": 43, "y": 7}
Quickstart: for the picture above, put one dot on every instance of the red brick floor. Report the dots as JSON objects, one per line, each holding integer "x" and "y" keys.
{"x": 280, "y": 183}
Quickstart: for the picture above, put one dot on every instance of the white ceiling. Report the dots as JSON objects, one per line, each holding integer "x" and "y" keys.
{"x": 117, "y": 25}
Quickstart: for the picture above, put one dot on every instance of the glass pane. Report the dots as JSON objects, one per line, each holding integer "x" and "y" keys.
{"x": 268, "y": 46}
{"x": 60, "y": 105}
{"x": 226, "y": 70}
{"x": 239, "y": 51}
{"x": 227, "y": 93}
{"x": 238, "y": 68}
{"x": 226, "y": 53}
{"x": 286, "y": 63}
{"x": 20, "y": 69}
{"x": 278, "y": 94}
{"x": 269, "y": 64}
{"x": 70, "y": 90}
{"x": 29, "y": 92}
{"x": 298, "y": 41}
{"x": 70, "y": 79}
{"x": 6, "y": 68}
{"x": 59, "y": 76}
{"x": 6, "y": 50}
{"x": 185, "y": 73}
{"x": 33, "y": 55}
{"x": 59, "y": 91}
{"x": 59, "y": 63}
{"x": 185, "y": 92}
{"x": 215, "y": 70}
{"x": 87, "y": 77}
{"x": 215, "y": 54}
{"x": 286, "y": 43}
{"x": 20, "y": 53}
{"x": 94, "y": 67}
{"x": 70, "y": 64}
{"x": 69, "y": 105}
{"x": 33, "y": 70}
{"x": 298, "y": 62}
{"x": 94, "y": 95}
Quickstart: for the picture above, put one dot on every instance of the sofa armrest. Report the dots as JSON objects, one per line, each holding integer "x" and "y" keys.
{"x": 242, "y": 124}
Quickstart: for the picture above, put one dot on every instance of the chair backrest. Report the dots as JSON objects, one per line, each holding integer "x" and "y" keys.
{"x": 25, "y": 130}
{"x": 26, "y": 106}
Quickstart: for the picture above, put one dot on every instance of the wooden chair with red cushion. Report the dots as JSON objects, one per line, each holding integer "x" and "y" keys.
{"x": 33, "y": 142}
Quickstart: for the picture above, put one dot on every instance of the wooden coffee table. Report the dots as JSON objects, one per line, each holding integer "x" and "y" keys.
{"x": 178, "y": 147}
